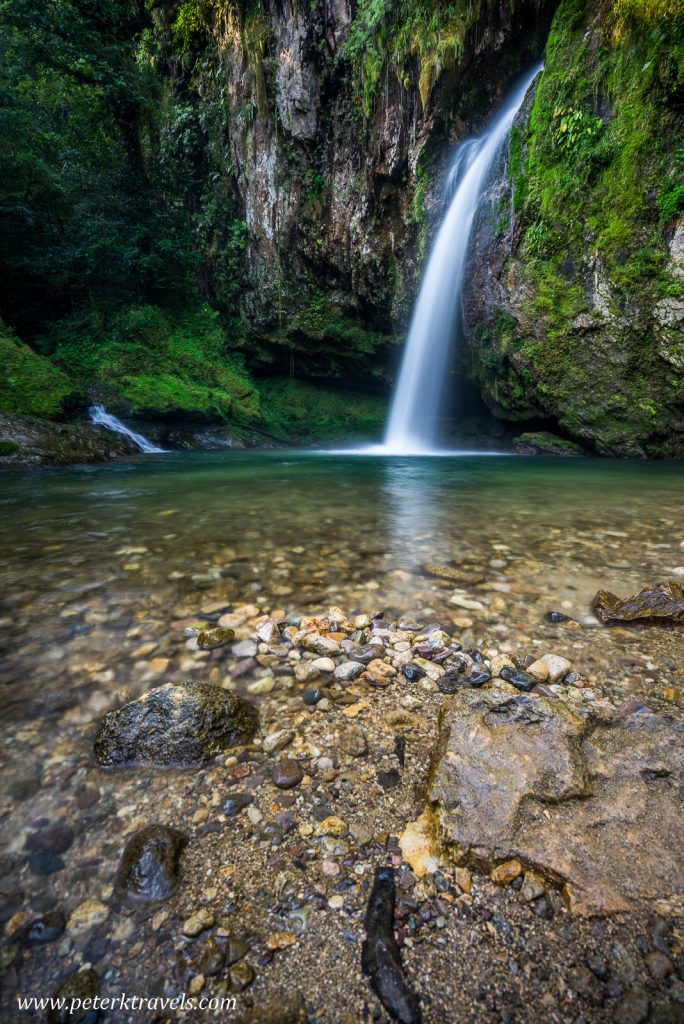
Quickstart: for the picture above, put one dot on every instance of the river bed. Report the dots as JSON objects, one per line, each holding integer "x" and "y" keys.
{"x": 105, "y": 567}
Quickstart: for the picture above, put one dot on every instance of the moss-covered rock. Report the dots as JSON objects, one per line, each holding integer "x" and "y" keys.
{"x": 321, "y": 340}
{"x": 298, "y": 411}
{"x": 152, "y": 362}
{"x": 574, "y": 305}
{"x": 30, "y": 441}
{"x": 540, "y": 442}
{"x": 30, "y": 384}
{"x": 182, "y": 726}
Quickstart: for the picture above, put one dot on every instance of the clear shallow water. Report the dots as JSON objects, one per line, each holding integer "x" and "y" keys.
{"x": 96, "y": 558}
{"x": 103, "y": 568}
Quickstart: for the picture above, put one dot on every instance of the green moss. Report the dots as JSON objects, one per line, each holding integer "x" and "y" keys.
{"x": 402, "y": 35}
{"x": 419, "y": 213}
{"x": 321, "y": 330}
{"x": 596, "y": 184}
{"x": 159, "y": 362}
{"x": 8, "y": 447}
{"x": 297, "y": 411}
{"x": 551, "y": 444}
{"x": 31, "y": 384}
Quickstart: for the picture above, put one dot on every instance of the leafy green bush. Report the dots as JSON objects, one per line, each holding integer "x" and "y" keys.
{"x": 575, "y": 130}
{"x": 158, "y": 362}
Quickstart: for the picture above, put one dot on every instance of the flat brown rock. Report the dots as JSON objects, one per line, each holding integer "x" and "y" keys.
{"x": 592, "y": 803}
{"x": 661, "y": 603}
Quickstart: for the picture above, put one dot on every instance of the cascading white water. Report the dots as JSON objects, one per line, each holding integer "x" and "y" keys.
{"x": 416, "y": 406}
{"x": 100, "y": 417}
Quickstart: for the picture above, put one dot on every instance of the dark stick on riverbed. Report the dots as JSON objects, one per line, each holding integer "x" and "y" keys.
{"x": 380, "y": 957}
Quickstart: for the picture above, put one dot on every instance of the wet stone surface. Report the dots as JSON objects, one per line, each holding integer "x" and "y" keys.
{"x": 111, "y": 576}
{"x": 149, "y": 868}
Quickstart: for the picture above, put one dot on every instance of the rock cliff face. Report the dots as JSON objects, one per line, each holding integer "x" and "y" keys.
{"x": 574, "y": 311}
{"x": 322, "y": 132}
{"x": 332, "y": 124}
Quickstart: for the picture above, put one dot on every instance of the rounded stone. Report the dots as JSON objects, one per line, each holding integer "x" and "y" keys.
{"x": 209, "y": 639}
{"x": 504, "y": 874}
{"x": 240, "y": 976}
{"x": 45, "y": 863}
{"x": 499, "y": 662}
{"x": 149, "y": 864}
{"x": 633, "y": 1008}
{"x": 236, "y": 803}
{"x": 413, "y": 672}
{"x": 55, "y": 839}
{"x": 558, "y": 667}
{"x": 325, "y": 664}
{"x": 24, "y": 789}
{"x": 348, "y": 671}
{"x": 659, "y": 965}
{"x": 181, "y": 725}
{"x": 451, "y": 681}
{"x": 521, "y": 680}
{"x": 287, "y": 773}
{"x": 42, "y": 930}
{"x": 198, "y": 922}
{"x": 539, "y": 669}
{"x": 311, "y": 697}
{"x": 87, "y": 915}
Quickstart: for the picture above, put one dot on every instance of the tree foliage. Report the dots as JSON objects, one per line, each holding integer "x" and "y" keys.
{"x": 86, "y": 211}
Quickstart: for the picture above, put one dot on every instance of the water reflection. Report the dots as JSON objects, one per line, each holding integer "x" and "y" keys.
{"x": 413, "y": 511}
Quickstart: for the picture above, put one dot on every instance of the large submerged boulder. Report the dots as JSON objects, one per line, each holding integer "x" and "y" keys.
{"x": 180, "y": 725}
{"x": 593, "y": 802}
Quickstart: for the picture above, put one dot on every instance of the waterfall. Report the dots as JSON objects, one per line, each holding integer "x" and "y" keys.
{"x": 101, "y": 418}
{"x": 416, "y": 406}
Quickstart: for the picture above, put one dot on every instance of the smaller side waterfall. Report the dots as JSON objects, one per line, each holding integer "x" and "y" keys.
{"x": 101, "y": 418}
{"x": 416, "y": 405}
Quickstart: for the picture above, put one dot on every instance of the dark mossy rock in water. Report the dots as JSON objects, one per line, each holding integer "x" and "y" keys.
{"x": 208, "y": 639}
{"x": 180, "y": 725}
{"x": 543, "y": 443}
{"x": 30, "y": 441}
{"x": 41, "y": 930}
{"x": 661, "y": 603}
{"x": 149, "y": 868}
{"x": 72, "y": 993}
